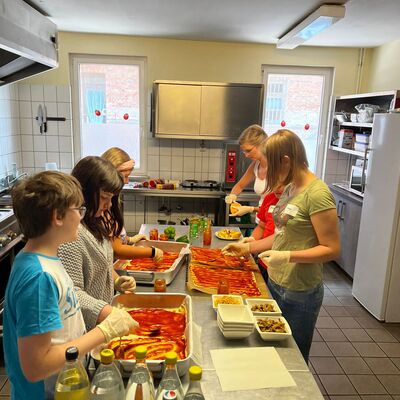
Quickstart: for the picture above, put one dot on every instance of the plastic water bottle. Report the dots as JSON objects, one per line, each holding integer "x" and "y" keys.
{"x": 107, "y": 382}
{"x": 72, "y": 382}
{"x": 140, "y": 385}
{"x": 170, "y": 387}
{"x": 194, "y": 391}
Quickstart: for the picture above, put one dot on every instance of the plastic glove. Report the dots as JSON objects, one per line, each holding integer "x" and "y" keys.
{"x": 275, "y": 258}
{"x": 124, "y": 284}
{"x": 158, "y": 256}
{"x": 242, "y": 210}
{"x": 236, "y": 249}
{"x": 230, "y": 198}
{"x": 248, "y": 239}
{"x": 118, "y": 323}
{"x": 137, "y": 238}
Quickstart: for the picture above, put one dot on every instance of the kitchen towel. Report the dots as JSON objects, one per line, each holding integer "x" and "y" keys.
{"x": 250, "y": 368}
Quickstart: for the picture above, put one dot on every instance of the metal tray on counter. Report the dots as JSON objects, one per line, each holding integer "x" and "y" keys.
{"x": 148, "y": 277}
{"x": 156, "y": 300}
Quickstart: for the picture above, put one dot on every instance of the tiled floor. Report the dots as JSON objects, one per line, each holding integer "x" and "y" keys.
{"x": 353, "y": 356}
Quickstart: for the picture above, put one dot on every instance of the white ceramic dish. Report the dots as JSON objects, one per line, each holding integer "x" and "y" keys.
{"x": 274, "y": 335}
{"x": 218, "y": 296}
{"x": 235, "y": 334}
{"x": 235, "y": 314}
{"x": 235, "y": 326}
{"x": 252, "y": 302}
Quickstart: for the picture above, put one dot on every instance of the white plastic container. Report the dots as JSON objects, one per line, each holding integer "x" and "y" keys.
{"x": 360, "y": 146}
{"x": 345, "y": 138}
{"x": 254, "y": 302}
{"x": 362, "y": 137}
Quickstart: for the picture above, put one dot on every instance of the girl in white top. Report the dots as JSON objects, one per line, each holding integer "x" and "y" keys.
{"x": 250, "y": 141}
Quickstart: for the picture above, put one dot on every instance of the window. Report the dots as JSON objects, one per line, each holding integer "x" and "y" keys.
{"x": 298, "y": 98}
{"x": 109, "y": 106}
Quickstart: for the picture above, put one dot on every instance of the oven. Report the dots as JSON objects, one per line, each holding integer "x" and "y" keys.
{"x": 10, "y": 244}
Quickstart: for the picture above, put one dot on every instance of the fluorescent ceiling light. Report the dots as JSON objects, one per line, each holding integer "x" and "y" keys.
{"x": 316, "y": 22}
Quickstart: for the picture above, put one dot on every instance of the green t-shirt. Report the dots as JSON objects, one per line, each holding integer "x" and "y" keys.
{"x": 294, "y": 231}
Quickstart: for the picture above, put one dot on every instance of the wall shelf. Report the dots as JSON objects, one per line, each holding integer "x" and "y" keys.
{"x": 347, "y": 151}
{"x": 357, "y": 124}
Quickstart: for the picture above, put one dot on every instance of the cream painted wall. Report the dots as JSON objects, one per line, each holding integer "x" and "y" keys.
{"x": 203, "y": 61}
{"x": 383, "y": 68}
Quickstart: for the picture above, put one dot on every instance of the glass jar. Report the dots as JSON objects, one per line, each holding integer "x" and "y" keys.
{"x": 223, "y": 286}
{"x": 153, "y": 234}
{"x": 160, "y": 285}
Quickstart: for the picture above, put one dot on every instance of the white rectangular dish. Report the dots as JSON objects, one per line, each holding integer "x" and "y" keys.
{"x": 156, "y": 300}
{"x": 234, "y": 314}
{"x": 274, "y": 335}
{"x": 148, "y": 277}
{"x": 263, "y": 303}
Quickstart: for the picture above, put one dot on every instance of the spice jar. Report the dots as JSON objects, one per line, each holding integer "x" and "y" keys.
{"x": 223, "y": 286}
{"x": 160, "y": 285}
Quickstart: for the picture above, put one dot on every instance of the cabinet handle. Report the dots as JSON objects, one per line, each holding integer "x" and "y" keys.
{"x": 341, "y": 211}
{"x": 339, "y": 208}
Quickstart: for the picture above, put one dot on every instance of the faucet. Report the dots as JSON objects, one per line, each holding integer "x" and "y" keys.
{"x": 10, "y": 179}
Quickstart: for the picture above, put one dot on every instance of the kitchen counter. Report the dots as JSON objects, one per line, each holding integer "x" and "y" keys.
{"x": 344, "y": 191}
{"x": 211, "y": 338}
{"x": 181, "y": 192}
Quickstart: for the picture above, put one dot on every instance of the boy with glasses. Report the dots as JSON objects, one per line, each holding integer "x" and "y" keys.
{"x": 42, "y": 316}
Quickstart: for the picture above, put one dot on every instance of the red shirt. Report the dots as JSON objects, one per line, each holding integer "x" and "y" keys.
{"x": 265, "y": 214}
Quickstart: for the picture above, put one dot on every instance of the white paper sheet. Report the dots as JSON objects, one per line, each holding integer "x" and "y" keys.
{"x": 250, "y": 368}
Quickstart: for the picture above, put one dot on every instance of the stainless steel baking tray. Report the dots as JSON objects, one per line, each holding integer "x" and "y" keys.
{"x": 156, "y": 300}
{"x": 149, "y": 277}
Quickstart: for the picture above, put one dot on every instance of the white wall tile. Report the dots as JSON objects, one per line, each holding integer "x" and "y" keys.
{"x": 28, "y": 160}
{"x": 15, "y": 144}
{"x": 197, "y": 165}
{"x": 165, "y": 147}
{"x": 50, "y": 93}
{"x": 153, "y": 162}
{"x": 64, "y": 110}
{"x": 51, "y": 108}
{"x": 52, "y": 144}
{"x": 63, "y": 94}
{"x": 40, "y": 160}
{"x": 15, "y": 127}
{"x": 26, "y": 142}
{"x": 214, "y": 165}
{"x": 189, "y": 148}
{"x": 188, "y": 164}
{"x": 37, "y": 93}
{"x": 64, "y": 128}
{"x": 66, "y": 160}
{"x": 177, "y": 164}
{"x": 53, "y": 157}
{"x": 35, "y": 107}
{"x": 26, "y": 126}
{"x": 65, "y": 144}
{"x": 342, "y": 167}
{"x": 25, "y": 109}
{"x": 13, "y": 91}
{"x": 52, "y": 128}
{"x": 331, "y": 166}
{"x": 39, "y": 143}
{"x": 24, "y": 92}
{"x": 14, "y": 109}
{"x": 165, "y": 164}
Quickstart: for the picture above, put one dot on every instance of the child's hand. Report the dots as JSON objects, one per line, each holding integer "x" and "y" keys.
{"x": 137, "y": 238}
{"x": 124, "y": 284}
{"x": 118, "y": 323}
{"x": 158, "y": 256}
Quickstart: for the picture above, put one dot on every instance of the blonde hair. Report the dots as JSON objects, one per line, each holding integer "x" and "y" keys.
{"x": 116, "y": 155}
{"x": 283, "y": 143}
{"x": 253, "y": 135}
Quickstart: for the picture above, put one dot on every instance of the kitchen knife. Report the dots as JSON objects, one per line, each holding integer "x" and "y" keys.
{"x": 44, "y": 118}
{"x": 40, "y": 118}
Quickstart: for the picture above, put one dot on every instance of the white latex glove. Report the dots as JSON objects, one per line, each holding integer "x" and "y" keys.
{"x": 118, "y": 323}
{"x": 137, "y": 238}
{"x": 230, "y": 198}
{"x": 242, "y": 210}
{"x": 124, "y": 284}
{"x": 275, "y": 258}
{"x": 248, "y": 239}
{"x": 158, "y": 256}
{"x": 236, "y": 249}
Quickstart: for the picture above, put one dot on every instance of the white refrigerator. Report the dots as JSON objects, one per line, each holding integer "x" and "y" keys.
{"x": 376, "y": 282}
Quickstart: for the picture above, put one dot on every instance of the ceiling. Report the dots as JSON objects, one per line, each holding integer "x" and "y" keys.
{"x": 368, "y": 23}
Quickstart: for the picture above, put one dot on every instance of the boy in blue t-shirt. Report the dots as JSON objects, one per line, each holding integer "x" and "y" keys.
{"x": 42, "y": 316}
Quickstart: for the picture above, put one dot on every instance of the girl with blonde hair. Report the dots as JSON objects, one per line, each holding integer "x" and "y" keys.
{"x": 306, "y": 235}
{"x": 250, "y": 140}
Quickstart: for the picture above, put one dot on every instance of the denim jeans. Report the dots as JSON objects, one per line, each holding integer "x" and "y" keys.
{"x": 300, "y": 309}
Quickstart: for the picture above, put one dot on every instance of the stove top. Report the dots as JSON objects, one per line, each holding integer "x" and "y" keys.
{"x": 195, "y": 184}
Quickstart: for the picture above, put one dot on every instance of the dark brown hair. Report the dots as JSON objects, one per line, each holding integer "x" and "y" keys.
{"x": 96, "y": 174}
{"x": 283, "y": 143}
{"x": 35, "y": 199}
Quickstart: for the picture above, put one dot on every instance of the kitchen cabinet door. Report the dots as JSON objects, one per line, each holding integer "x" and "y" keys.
{"x": 349, "y": 216}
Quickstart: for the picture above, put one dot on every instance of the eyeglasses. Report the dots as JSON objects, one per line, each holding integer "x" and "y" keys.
{"x": 81, "y": 210}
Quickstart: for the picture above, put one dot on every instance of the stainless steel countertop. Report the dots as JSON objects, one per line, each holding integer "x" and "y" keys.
{"x": 211, "y": 338}
{"x": 181, "y": 192}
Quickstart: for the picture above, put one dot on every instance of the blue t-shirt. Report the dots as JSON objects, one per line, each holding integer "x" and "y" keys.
{"x": 39, "y": 298}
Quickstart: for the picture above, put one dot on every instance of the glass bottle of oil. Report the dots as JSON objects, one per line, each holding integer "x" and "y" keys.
{"x": 72, "y": 382}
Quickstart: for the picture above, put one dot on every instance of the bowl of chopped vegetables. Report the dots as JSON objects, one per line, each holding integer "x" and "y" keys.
{"x": 263, "y": 307}
{"x": 273, "y": 328}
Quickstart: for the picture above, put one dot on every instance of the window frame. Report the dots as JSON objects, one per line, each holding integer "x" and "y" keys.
{"x": 141, "y": 62}
{"x": 328, "y": 74}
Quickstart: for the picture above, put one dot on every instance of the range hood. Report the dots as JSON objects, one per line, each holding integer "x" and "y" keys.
{"x": 28, "y": 42}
